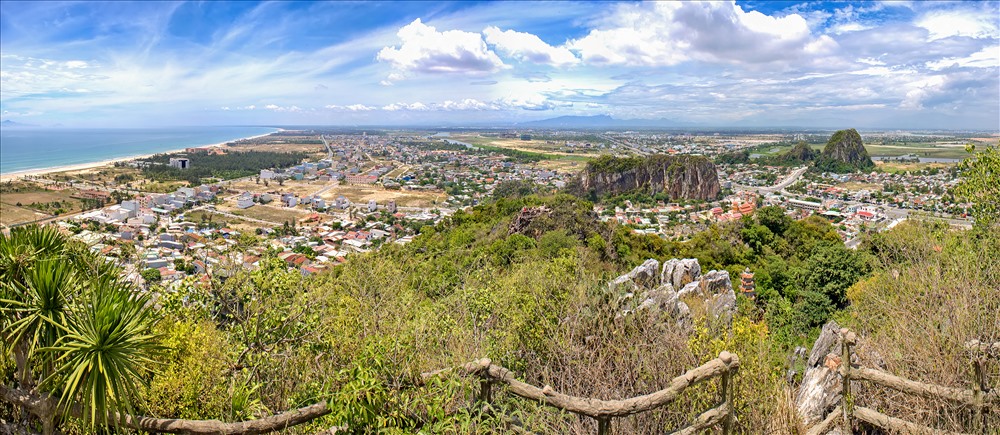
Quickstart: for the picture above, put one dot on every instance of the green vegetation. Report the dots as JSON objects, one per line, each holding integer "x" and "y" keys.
{"x": 226, "y": 166}
{"x": 76, "y": 330}
{"x": 256, "y": 342}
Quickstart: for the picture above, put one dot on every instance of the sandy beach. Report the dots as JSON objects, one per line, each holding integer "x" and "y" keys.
{"x": 17, "y": 175}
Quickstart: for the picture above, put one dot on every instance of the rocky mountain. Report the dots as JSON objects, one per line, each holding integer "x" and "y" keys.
{"x": 801, "y": 152}
{"x": 680, "y": 177}
{"x": 844, "y": 152}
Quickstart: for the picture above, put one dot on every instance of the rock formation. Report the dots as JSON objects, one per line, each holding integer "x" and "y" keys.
{"x": 820, "y": 389}
{"x": 845, "y": 152}
{"x": 800, "y": 153}
{"x": 680, "y": 177}
{"x": 678, "y": 280}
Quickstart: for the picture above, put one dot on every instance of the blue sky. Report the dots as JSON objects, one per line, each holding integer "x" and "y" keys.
{"x": 859, "y": 64}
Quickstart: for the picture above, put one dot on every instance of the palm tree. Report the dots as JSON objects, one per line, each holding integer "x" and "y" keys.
{"x": 77, "y": 330}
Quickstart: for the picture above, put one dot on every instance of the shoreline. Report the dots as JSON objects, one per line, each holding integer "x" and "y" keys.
{"x": 28, "y": 173}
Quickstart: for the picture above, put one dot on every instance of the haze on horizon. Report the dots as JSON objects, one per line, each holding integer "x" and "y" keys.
{"x": 916, "y": 65}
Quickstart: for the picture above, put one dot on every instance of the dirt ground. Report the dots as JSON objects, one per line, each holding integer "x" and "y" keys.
{"x": 270, "y": 212}
{"x": 12, "y": 214}
{"x": 404, "y": 198}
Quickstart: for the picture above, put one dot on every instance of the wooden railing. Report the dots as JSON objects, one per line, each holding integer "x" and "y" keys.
{"x": 981, "y": 399}
{"x": 603, "y": 411}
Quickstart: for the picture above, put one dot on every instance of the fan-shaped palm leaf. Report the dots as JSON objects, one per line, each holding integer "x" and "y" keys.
{"x": 104, "y": 352}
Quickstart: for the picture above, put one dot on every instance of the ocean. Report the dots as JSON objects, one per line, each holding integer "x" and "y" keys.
{"x": 24, "y": 149}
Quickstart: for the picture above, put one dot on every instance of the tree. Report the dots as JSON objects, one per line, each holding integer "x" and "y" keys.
{"x": 981, "y": 185}
{"x": 831, "y": 269}
{"x": 78, "y": 332}
{"x": 151, "y": 275}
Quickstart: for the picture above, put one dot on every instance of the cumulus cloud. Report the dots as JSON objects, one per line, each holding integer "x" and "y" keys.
{"x": 528, "y": 47}
{"x": 426, "y": 50}
{"x": 668, "y": 33}
{"x": 948, "y": 23}
{"x": 988, "y": 57}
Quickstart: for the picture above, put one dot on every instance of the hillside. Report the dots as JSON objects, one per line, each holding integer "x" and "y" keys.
{"x": 800, "y": 153}
{"x": 540, "y": 286}
{"x": 844, "y": 152}
{"x": 677, "y": 177}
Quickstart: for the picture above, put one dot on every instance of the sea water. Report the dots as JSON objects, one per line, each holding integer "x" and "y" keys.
{"x": 24, "y": 149}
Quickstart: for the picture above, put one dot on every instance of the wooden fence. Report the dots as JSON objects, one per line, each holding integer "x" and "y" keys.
{"x": 603, "y": 411}
{"x": 981, "y": 399}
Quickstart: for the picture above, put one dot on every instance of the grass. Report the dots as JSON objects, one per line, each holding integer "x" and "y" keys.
{"x": 921, "y": 150}
{"x": 901, "y": 167}
{"x": 550, "y": 150}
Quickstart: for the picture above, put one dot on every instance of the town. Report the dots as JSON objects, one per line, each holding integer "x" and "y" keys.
{"x": 352, "y": 192}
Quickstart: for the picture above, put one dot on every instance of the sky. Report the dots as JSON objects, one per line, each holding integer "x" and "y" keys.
{"x": 894, "y": 64}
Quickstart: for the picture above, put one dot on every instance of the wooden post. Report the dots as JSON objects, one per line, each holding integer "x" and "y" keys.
{"x": 727, "y": 392}
{"x": 979, "y": 419}
{"x": 602, "y": 425}
{"x": 847, "y": 339}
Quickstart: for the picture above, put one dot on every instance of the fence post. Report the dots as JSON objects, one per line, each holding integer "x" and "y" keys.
{"x": 847, "y": 339}
{"x": 978, "y": 363}
{"x": 727, "y": 392}
{"x": 602, "y": 425}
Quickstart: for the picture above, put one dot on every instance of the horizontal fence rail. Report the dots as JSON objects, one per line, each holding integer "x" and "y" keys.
{"x": 603, "y": 411}
{"x": 980, "y": 399}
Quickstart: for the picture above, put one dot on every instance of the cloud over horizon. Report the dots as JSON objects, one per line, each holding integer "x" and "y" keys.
{"x": 898, "y": 64}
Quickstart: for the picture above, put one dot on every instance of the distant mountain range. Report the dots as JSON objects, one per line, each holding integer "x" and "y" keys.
{"x": 9, "y": 123}
{"x": 602, "y": 121}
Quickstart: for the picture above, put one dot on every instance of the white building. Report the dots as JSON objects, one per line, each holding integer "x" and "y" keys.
{"x": 180, "y": 162}
{"x": 245, "y": 201}
{"x": 266, "y": 174}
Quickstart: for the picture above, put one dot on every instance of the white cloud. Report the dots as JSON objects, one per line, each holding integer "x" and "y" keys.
{"x": 426, "y": 50}
{"x": 668, "y": 33}
{"x": 528, "y": 47}
{"x": 359, "y": 108}
{"x": 988, "y": 57}
{"x": 278, "y": 108}
{"x": 944, "y": 24}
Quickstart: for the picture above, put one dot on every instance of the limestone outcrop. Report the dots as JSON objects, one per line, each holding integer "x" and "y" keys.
{"x": 666, "y": 290}
{"x": 679, "y": 177}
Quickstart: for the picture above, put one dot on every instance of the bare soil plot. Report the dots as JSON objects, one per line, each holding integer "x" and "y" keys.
{"x": 270, "y": 213}
{"x": 12, "y": 214}
{"x": 404, "y": 198}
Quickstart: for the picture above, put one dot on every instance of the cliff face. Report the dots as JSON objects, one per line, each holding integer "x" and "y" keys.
{"x": 680, "y": 177}
{"x": 844, "y": 153}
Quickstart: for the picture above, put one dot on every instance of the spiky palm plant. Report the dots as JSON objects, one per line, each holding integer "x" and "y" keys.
{"x": 75, "y": 328}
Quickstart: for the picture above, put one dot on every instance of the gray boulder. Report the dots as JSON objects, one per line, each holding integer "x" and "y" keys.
{"x": 680, "y": 272}
{"x": 642, "y": 277}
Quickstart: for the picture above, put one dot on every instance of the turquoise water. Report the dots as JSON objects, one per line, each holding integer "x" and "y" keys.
{"x": 37, "y": 148}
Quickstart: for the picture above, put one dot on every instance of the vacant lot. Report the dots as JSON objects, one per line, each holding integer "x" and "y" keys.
{"x": 404, "y": 198}
{"x": 12, "y": 214}
{"x": 271, "y": 213}
{"x": 299, "y": 188}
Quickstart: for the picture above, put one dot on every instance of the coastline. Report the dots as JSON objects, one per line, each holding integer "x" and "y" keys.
{"x": 27, "y": 173}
